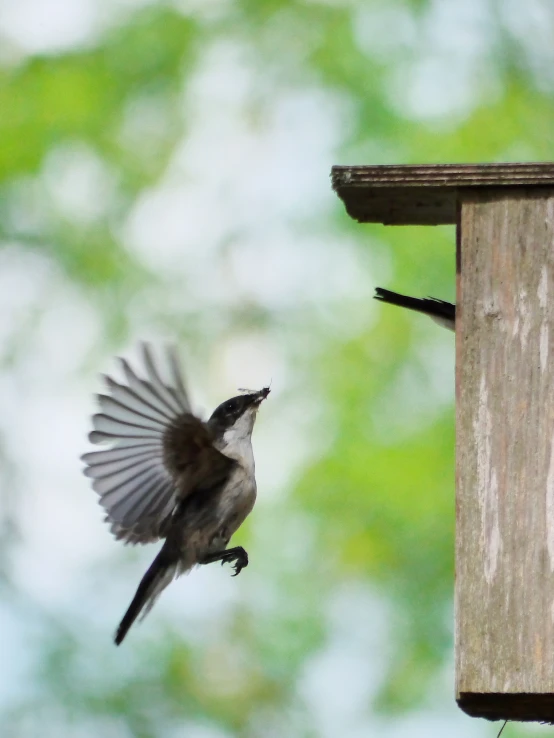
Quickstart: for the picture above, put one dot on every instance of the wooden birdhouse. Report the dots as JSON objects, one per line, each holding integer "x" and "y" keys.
{"x": 504, "y": 590}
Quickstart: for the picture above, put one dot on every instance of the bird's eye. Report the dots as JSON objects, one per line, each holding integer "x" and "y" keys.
{"x": 231, "y": 406}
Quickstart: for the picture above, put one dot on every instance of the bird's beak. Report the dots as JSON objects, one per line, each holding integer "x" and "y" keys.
{"x": 260, "y": 396}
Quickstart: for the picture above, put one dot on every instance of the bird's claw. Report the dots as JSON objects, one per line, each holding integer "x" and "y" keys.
{"x": 238, "y": 567}
{"x": 238, "y": 559}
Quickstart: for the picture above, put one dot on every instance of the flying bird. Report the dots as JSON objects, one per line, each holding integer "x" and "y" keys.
{"x": 443, "y": 313}
{"x": 169, "y": 475}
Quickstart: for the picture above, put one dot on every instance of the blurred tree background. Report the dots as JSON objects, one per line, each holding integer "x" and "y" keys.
{"x": 165, "y": 174}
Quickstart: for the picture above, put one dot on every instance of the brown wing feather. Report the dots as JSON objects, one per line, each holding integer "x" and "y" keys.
{"x": 191, "y": 458}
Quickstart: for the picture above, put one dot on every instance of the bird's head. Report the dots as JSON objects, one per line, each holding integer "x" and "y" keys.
{"x": 234, "y": 418}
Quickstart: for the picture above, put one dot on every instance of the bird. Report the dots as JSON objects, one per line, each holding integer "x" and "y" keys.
{"x": 443, "y": 313}
{"x": 171, "y": 476}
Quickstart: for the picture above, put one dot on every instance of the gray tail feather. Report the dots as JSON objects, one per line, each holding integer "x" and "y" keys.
{"x": 160, "y": 573}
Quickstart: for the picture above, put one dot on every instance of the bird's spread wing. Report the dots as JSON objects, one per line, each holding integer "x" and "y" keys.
{"x": 159, "y": 453}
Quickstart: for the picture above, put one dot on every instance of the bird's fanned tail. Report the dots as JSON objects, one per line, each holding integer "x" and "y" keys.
{"x": 161, "y": 572}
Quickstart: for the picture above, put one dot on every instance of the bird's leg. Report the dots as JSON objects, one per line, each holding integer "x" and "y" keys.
{"x": 237, "y": 555}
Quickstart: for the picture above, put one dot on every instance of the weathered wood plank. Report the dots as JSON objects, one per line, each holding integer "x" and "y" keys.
{"x": 505, "y": 455}
{"x": 425, "y": 194}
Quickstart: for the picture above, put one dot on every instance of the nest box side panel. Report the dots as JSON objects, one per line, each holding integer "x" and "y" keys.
{"x": 505, "y": 454}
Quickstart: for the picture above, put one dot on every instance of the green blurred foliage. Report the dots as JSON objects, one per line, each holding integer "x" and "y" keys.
{"x": 373, "y": 499}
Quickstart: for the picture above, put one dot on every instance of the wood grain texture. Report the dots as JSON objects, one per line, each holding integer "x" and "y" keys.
{"x": 425, "y": 194}
{"x": 505, "y": 455}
